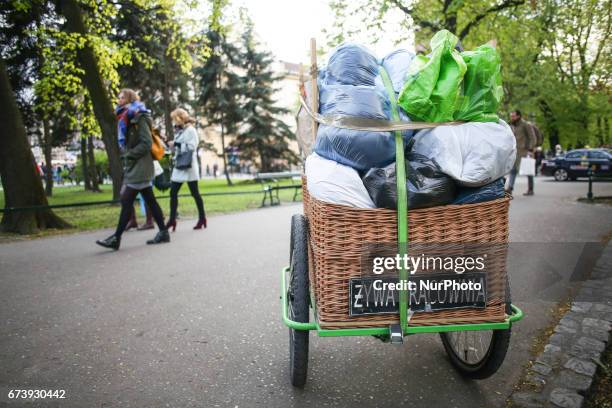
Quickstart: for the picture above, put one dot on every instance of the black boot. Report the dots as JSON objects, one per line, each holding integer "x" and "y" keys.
{"x": 111, "y": 242}
{"x": 162, "y": 236}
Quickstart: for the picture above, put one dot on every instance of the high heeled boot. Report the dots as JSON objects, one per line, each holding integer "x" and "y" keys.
{"x": 201, "y": 223}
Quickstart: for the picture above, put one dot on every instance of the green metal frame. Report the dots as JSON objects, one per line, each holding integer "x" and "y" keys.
{"x": 517, "y": 314}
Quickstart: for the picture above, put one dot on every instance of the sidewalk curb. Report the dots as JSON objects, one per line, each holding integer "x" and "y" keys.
{"x": 563, "y": 373}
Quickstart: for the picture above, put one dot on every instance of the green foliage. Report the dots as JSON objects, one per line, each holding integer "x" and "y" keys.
{"x": 102, "y": 167}
{"x": 554, "y": 69}
{"x": 163, "y": 62}
{"x": 555, "y": 54}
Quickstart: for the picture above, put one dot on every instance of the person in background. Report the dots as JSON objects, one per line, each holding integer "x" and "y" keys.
{"x": 135, "y": 140}
{"x": 185, "y": 141}
{"x": 539, "y": 156}
{"x": 525, "y": 143}
{"x": 538, "y": 152}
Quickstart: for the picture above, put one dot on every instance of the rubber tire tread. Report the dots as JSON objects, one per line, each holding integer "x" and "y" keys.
{"x": 298, "y": 348}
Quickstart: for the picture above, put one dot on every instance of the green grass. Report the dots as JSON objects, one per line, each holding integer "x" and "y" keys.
{"x": 105, "y": 216}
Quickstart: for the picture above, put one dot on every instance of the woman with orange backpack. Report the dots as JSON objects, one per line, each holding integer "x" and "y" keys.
{"x": 135, "y": 142}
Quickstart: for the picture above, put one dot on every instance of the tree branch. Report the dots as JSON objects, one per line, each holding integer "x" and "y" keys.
{"x": 410, "y": 12}
{"x": 402, "y": 7}
{"x": 602, "y": 43}
{"x": 502, "y": 6}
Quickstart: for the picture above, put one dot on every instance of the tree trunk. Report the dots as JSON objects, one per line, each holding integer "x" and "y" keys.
{"x": 227, "y": 177}
{"x": 93, "y": 169}
{"x": 84, "y": 164}
{"x": 167, "y": 105}
{"x": 20, "y": 179}
{"x": 102, "y": 105}
{"x": 600, "y": 134}
{"x": 551, "y": 123}
{"x": 48, "y": 150}
{"x": 265, "y": 166}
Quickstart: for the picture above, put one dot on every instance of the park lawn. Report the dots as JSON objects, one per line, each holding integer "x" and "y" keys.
{"x": 106, "y": 215}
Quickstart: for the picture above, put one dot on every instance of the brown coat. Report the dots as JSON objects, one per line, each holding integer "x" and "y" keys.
{"x": 525, "y": 139}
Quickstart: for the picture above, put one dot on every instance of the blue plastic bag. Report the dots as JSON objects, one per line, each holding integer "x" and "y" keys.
{"x": 359, "y": 92}
{"x": 396, "y": 64}
{"x": 351, "y": 64}
{"x": 473, "y": 195}
{"x": 357, "y": 149}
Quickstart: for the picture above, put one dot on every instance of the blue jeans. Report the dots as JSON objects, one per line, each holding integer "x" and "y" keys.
{"x": 512, "y": 179}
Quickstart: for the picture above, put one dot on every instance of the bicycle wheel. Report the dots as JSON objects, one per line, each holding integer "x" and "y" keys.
{"x": 479, "y": 354}
{"x": 298, "y": 295}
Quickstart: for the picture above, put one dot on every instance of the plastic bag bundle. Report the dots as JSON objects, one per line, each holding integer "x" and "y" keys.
{"x": 362, "y": 101}
{"x": 473, "y": 195}
{"x": 351, "y": 86}
{"x": 426, "y": 184}
{"x": 431, "y": 90}
{"x": 396, "y": 63}
{"x": 351, "y": 64}
{"x": 448, "y": 85}
{"x": 357, "y": 149}
{"x": 334, "y": 183}
{"x": 474, "y": 154}
{"x": 482, "y": 90}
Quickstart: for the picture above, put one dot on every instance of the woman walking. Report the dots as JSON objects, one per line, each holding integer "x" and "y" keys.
{"x": 186, "y": 167}
{"x": 134, "y": 136}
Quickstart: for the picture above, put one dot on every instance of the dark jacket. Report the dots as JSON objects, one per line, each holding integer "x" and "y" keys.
{"x": 137, "y": 159}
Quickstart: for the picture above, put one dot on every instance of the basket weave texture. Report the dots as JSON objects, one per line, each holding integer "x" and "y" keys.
{"x": 338, "y": 235}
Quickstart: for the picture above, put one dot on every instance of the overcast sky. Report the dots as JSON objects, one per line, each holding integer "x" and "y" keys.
{"x": 286, "y": 26}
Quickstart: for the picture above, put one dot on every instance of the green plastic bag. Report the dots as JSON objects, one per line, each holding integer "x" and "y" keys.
{"x": 431, "y": 90}
{"x": 481, "y": 91}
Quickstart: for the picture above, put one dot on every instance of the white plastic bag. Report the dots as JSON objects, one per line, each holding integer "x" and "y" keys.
{"x": 335, "y": 183}
{"x": 157, "y": 168}
{"x": 527, "y": 167}
{"x": 473, "y": 153}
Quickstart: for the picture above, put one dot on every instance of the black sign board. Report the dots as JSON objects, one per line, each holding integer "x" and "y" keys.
{"x": 379, "y": 295}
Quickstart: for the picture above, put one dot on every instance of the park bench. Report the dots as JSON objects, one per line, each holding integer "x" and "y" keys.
{"x": 271, "y": 185}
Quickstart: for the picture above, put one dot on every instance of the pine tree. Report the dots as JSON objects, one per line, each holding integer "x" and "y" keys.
{"x": 264, "y": 135}
{"x": 221, "y": 88}
{"x": 160, "y": 68}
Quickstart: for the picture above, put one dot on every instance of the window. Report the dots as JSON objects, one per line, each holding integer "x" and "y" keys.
{"x": 577, "y": 154}
{"x": 594, "y": 154}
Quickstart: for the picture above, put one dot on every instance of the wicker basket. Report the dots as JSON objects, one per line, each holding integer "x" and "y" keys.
{"x": 338, "y": 234}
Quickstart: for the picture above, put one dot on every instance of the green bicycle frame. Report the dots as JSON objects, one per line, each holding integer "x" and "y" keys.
{"x": 517, "y": 314}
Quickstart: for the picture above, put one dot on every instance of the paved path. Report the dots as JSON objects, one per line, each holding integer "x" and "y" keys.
{"x": 196, "y": 322}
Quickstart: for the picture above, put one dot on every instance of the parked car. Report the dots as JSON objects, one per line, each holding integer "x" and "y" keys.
{"x": 576, "y": 163}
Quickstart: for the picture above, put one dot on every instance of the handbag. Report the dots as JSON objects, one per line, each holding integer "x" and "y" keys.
{"x": 527, "y": 167}
{"x": 183, "y": 159}
{"x": 157, "y": 147}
